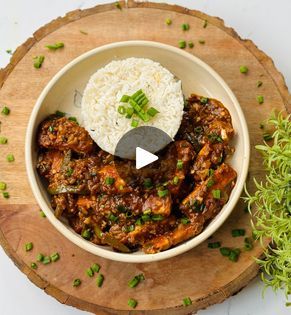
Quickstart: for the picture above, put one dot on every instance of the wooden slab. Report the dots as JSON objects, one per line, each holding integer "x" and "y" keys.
{"x": 202, "y": 274}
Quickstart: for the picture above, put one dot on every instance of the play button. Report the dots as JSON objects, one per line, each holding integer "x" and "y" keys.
{"x": 143, "y": 158}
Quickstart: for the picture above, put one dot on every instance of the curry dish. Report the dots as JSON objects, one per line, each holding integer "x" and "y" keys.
{"x": 109, "y": 202}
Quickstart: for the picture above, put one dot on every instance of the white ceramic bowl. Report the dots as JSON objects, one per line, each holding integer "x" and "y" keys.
{"x": 62, "y": 93}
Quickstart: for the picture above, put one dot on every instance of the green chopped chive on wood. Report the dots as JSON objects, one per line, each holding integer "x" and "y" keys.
{"x": 3, "y": 186}
{"x": 83, "y": 32}
{"x": 238, "y": 232}
{"x": 90, "y": 272}
{"x": 214, "y": 245}
{"x": 216, "y": 193}
{"x": 118, "y": 5}
{"x": 190, "y": 44}
{"x": 168, "y": 21}
{"x": 33, "y": 265}
{"x": 262, "y": 126}
{"x": 40, "y": 257}
{"x": 99, "y": 280}
{"x": 135, "y": 280}
{"x": 259, "y": 83}
{"x": 187, "y": 301}
{"x": 28, "y": 246}
{"x": 38, "y": 61}
{"x": 6, "y": 194}
{"x": 225, "y": 251}
{"x": 205, "y": 23}
{"x": 132, "y": 303}
{"x": 5, "y": 111}
{"x": 234, "y": 255}
{"x": 3, "y": 140}
{"x": 260, "y": 99}
{"x": 243, "y": 69}
{"x": 46, "y": 260}
{"x": 76, "y": 282}
{"x": 185, "y": 27}
{"x": 182, "y": 44}
{"x": 10, "y": 157}
{"x": 248, "y": 244}
{"x": 55, "y": 46}
{"x": 55, "y": 257}
{"x": 42, "y": 214}
{"x": 95, "y": 267}
{"x": 201, "y": 41}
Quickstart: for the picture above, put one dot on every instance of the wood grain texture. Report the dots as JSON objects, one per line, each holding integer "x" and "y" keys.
{"x": 200, "y": 273}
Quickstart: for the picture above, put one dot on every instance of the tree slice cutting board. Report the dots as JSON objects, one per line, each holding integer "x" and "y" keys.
{"x": 201, "y": 274}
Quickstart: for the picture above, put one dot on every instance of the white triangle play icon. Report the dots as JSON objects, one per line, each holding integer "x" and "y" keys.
{"x": 143, "y": 157}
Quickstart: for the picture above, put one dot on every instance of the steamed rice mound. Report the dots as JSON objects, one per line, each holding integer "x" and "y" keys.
{"x": 106, "y": 87}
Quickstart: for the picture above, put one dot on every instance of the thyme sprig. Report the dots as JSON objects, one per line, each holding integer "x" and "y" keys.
{"x": 271, "y": 204}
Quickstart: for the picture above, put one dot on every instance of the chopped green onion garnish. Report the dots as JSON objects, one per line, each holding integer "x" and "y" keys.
{"x": 6, "y": 194}
{"x": 210, "y": 183}
{"x": 118, "y": 5}
{"x": 203, "y": 100}
{"x": 10, "y": 157}
{"x": 187, "y": 301}
{"x": 152, "y": 111}
{"x": 259, "y": 83}
{"x": 109, "y": 180}
{"x": 9, "y": 51}
{"x": 176, "y": 180}
{"x": 38, "y": 61}
{"x": 225, "y": 251}
{"x": 76, "y": 282}
{"x": 261, "y": 126}
{"x": 55, "y": 257}
{"x": 129, "y": 112}
{"x": 168, "y": 21}
{"x": 238, "y": 232}
{"x": 267, "y": 137}
{"x": 60, "y": 114}
{"x": 40, "y": 257}
{"x": 201, "y": 41}
{"x": 46, "y": 260}
{"x": 73, "y": 119}
{"x": 83, "y": 32}
{"x": 243, "y": 69}
{"x": 3, "y": 140}
{"x": 182, "y": 44}
{"x": 95, "y": 268}
{"x": 216, "y": 193}
{"x": 132, "y": 303}
{"x": 205, "y": 23}
{"x": 55, "y": 46}
{"x": 185, "y": 220}
{"x": 214, "y": 245}
{"x": 90, "y": 272}
{"x": 112, "y": 217}
{"x": 148, "y": 183}
{"x": 99, "y": 280}
{"x": 157, "y": 217}
{"x": 210, "y": 172}
{"x": 124, "y": 98}
{"x": 134, "y": 123}
{"x": 5, "y": 111}
{"x": 190, "y": 44}
{"x": 2, "y": 186}
{"x": 260, "y": 99}
{"x": 28, "y": 246}
{"x": 135, "y": 281}
{"x": 163, "y": 193}
{"x": 179, "y": 164}
{"x": 42, "y": 214}
{"x": 86, "y": 234}
{"x": 121, "y": 110}
{"x": 33, "y": 265}
{"x": 234, "y": 254}
{"x": 185, "y": 26}
{"x": 248, "y": 244}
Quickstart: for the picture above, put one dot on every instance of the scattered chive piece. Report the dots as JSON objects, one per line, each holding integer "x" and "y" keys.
{"x": 234, "y": 254}
{"x": 185, "y": 220}
{"x": 259, "y": 83}
{"x": 86, "y": 234}
{"x": 132, "y": 303}
{"x": 109, "y": 180}
{"x": 28, "y": 246}
{"x": 185, "y": 26}
{"x": 204, "y": 100}
{"x": 40, "y": 257}
{"x": 261, "y": 126}
{"x": 147, "y": 211}
{"x": 33, "y": 265}
{"x": 83, "y": 32}
{"x": 248, "y": 244}
{"x": 73, "y": 119}
{"x": 121, "y": 110}
{"x": 148, "y": 183}
{"x": 168, "y": 21}
{"x": 112, "y": 217}
{"x": 9, "y": 51}
{"x": 10, "y": 157}
{"x": 135, "y": 281}
{"x": 134, "y": 123}
{"x": 5, "y": 111}
{"x": 46, "y": 260}
{"x": 210, "y": 172}
{"x": 216, "y": 193}
{"x": 187, "y": 301}
{"x": 124, "y": 99}
{"x": 238, "y": 232}
{"x": 260, "y": 99}
{"x": 6, "y": 194}
{"x": 118, "y": 5}
{"x": 179, "y": 164}
{"x": 190, "y": 44}
{"x": 129, "y": 112}
{"x": 267, "y": 137}
{"x": 176, "y": 180}
{"x": 95, "y": 267}
{"x": 182, "y": 44}
{"x": 214, "y": 245}
{"x": 42, "y": 214}
{"x": 157, "y": 217}
{"x": 38, "y": 61}
{"x": 54, "y": 257}
{"x": 205, "y": 23}
{"x": 201, "y": 41}
{"x": 225, "y": 251}
{"x": 76, "y": 282}
{"x": 163, "y": 193}
{"x": 99, "y": 280}
{"x": 60, "y": 114}
{"x": 210, "y": 183}
{"x": 55, "y": 46}
{"x": 2, "y": 186}
{"x": 243, "y": 69}
{"x": 90, "y": 272}
{"x": 3, "y": 140}
{"x": 69, "y": 172}
{"x": 288, "y": 304}
{"x": 152, "y": 111}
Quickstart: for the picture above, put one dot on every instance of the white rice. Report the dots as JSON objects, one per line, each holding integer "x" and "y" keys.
{"x": 105, "y": 88}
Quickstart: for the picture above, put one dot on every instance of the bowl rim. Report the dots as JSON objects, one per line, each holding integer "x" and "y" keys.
{"x": 103, "y": 252}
